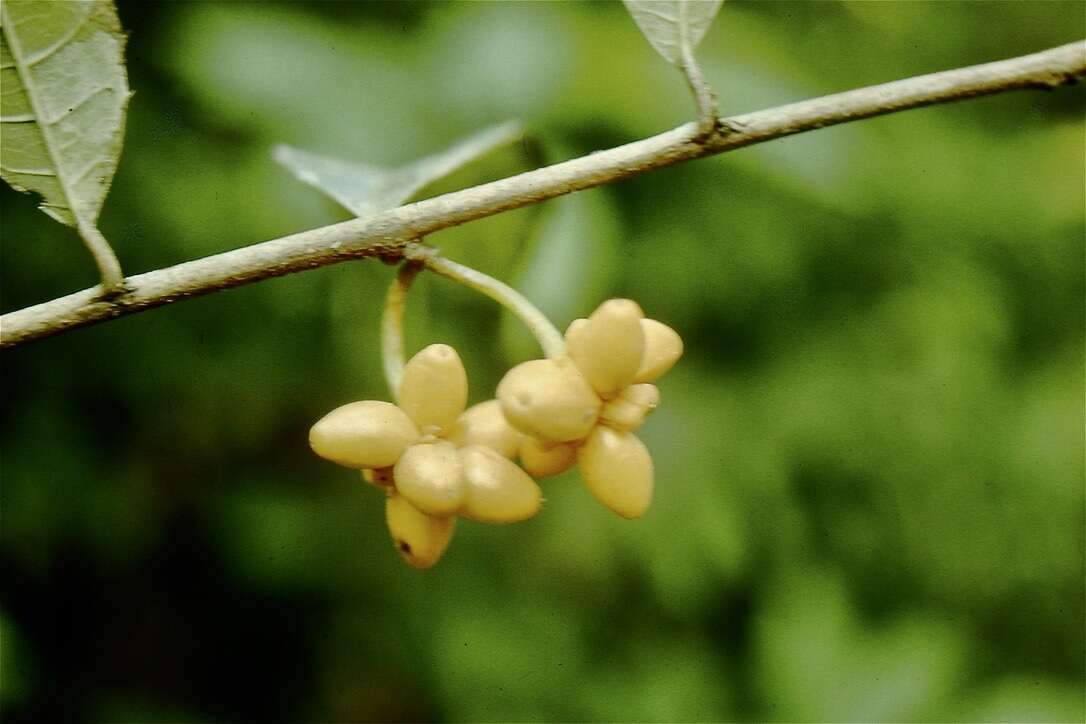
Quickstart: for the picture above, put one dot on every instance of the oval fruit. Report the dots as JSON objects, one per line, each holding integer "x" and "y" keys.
{"x": 484, "y": 424}
{"x": 544, "y": 459}
{"x": 608, "y": 346}
{"x": 421, "y": 539}
{"x": 435, "y": 387}
{"x": 549, "y": 399}
{"x": 617, "y": 469}
{"x": 628, "y": 411}
{"x": 496, "y": 490}
{"x": 663, "y": 348}
{"x": 429, "y": 475}
{"x": 368, "y": 434}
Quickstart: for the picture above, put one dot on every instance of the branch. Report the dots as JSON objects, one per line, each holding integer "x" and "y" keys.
{"x": 386, "y": 234}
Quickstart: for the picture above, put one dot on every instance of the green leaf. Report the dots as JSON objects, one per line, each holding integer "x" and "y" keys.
{"x": 671, "y": 25}
{"x": 64, "y": 95}
{"x": 366, "y": 190}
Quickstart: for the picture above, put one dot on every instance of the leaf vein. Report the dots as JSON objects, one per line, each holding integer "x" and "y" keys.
{"x": 41, "y": 55}
{"x": 30, "y": 171}
{"x": 663, "y": 16}
{"x": 75, "y": 106}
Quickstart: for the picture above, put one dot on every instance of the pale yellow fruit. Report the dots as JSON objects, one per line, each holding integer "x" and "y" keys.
{"x": 420, "y": 538}
{"x": 435, "y": 387}
{"x": 484, "y": 424}
{"x": 497, "y": 491}
{"x": 629, "y": 409}
{"x": 544, "y": 459}
{"x": 381, "y": 477}
{"x": 663, "y": 348}
{"x": 430, "y": 476}
{"x": 367, "y": 434}
{"x": 549, "y": 399}
{"x": 608, "y": 346}
{"x": 617, "y": 469}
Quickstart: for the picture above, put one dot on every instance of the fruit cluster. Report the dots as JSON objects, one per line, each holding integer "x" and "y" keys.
{"x": 438, "y": 461}
{"x": 584, "y": 407}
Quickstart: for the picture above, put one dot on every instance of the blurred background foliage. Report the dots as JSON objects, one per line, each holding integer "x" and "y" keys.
{"x": 869, "y": 464}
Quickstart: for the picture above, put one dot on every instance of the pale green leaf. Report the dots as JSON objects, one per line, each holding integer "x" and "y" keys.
{"x": 671, "y": 25}
{"x": 366, "y": 190}
{"x": 63, "y": 95}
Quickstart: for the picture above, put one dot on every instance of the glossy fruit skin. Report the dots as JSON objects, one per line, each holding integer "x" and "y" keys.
{"x": 617, "y": 470}
{"x": 663, "y": 348}
{"x": 627, "y": 411}
{"x": 544, "y": 459}
{"x": 484, "y": 424}
{"x": 549, "y": 399}
{"x": 368, "y": 434}
{"x": 434, "y": 388}
{"x": 431, "y": 477}
{"x": 608, "y": 346}
{"x": 497, "y": 491}
{"x": 421, "y": 539}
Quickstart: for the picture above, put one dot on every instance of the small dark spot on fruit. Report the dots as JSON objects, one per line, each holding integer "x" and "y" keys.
{"x": 524, "y": 399}
{"x": 405, "y": 547}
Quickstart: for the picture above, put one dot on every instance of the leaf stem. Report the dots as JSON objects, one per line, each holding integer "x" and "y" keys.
{"x": 549, "y": 338}
{"x": 392, "y": 354}
{"x": 109, "y": 268}
{"x": 708, "y": 113}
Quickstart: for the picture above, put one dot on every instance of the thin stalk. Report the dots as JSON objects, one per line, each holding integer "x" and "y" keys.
{"x": 703, "y": 94}
{"x": 104, "y": 258}
{"x": 392, "y": 354}
{"x": 548, "y": 336}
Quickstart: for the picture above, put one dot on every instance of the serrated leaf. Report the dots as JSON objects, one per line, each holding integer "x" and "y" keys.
{"x": 63, "y": 95}
{"x": 663, "y": 23}
{"x": 366, "y": 190}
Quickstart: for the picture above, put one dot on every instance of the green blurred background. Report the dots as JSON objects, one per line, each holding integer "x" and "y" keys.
{"x": 869, "y": 495}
